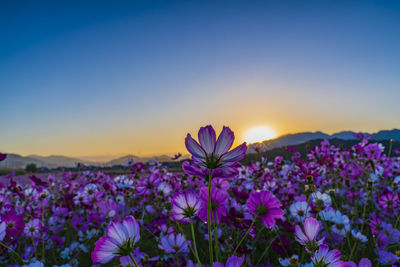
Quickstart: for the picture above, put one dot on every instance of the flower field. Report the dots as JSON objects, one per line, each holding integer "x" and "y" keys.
{"x": 333, "y": 207}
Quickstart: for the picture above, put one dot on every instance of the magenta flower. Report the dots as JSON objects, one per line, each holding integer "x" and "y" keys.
{"x": 325, "y": 258}
{"x": 364, "y": 262}
{"x": 213, "y": 154}
{"x": 233, "y": 261}
{"x": 119, "y": 241}
{"x": 266, "y": 206}
{"x": 308, "y": 238}
{"x": 219, "y": 204}
{"x": 14, "y": 223}
{"x": 388, "y": 201}
{"x": 174, "y": 244}
{"x": 185, "y": 206}
{"x": 148, "y": 186}
{"x": 3, "y": 156}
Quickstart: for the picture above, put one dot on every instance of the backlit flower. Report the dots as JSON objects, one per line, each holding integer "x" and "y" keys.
{"x": 119, "y": 241}
{"x": 266, "y": 206}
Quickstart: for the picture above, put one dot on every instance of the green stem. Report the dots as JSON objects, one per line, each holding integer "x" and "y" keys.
{"x": 248, "y": 230}
{"x": 266, "y": 250}
{"x": 352, "y": 250}
{"x": 13, "y": 251}
{"x": 133, "y": 259}
{"x": 182, "y": 233}
{"x": 209, "y": 212}
{"x": 194, "y": 243}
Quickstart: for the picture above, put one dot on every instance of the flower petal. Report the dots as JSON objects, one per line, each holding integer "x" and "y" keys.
{"x": 225, "y": 141}
{"x": 207, "y": 138}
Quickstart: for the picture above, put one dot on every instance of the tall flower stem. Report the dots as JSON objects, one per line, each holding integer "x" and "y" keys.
{"x": 13, "y": 251}
{"x": 245, "y": 235}
{"x": 196, "y": 254}
{"x": 209, "y": 214}
{"x": 133, "y": 259}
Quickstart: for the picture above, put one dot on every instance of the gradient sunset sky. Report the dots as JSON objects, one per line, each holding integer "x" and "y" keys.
{"x": 116, "y": 77}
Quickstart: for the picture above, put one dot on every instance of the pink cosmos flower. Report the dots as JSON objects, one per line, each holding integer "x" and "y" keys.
{"x": 308, "y": 238}
{"x": 3, "y": 156}
{"x": 119, "y": 241}
{"x": 325, "y": 257}
{"x": 219, "y": 204}
{"x": 213, "y": 154}
{"x": 266, "y": 206}
{"x": 185, "y": 206}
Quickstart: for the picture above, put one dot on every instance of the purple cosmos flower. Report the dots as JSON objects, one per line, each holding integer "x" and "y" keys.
{"x": 308, "y": 238}
{"x": 119, "y": 241}
{"x": 266, "y": 206}
{"x": 364, "y": 262}
{"x": 388, "y": 201}
{"x": 387, "y": 258}
{"x": 14, "y": 223}
{"x": 3, "y": 156}
{"x": 211, "y": 153}
{"x": 219, "y": 204}
{"x": 185, "y": 206}
{"x": 233, "y": 261}
{"x": 147, "y": 186}
{"x": 174, "y": 243}
{"x": 33, "y": 228}
{"x": 325, "y": 258}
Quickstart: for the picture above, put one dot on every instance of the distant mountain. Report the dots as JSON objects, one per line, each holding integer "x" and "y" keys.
{"x": 299, "y": 138}
{"x": 15, "y": 161}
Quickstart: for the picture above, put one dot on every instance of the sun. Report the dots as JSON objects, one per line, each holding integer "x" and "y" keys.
{"x": 259, "y": 134}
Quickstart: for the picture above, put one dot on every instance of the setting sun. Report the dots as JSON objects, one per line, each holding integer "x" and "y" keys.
{"x": 259, "y": 134}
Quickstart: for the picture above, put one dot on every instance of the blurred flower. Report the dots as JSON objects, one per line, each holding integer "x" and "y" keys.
{"x": 119, "y": 241}
{"x": 185, "y": 206}
{"x": 266, "y": 206}
{"x": 174, "y": 243}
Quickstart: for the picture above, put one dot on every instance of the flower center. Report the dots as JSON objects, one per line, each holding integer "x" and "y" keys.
{"x": 212, "y": 162}
{"x": 189, "y": 212}
{"x": 261, "y": 209}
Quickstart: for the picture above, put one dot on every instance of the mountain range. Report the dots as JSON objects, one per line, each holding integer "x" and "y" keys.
{"x": 15, "y": 161}
{"x": 299, "y": 138}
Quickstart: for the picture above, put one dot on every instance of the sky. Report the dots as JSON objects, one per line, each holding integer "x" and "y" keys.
{"x": 81, "y": 78}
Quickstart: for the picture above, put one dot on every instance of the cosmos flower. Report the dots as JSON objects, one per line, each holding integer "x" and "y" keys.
{"x": 387, "y": 258}
{"x": 388, "y": 201}
{"x": 233, "y": 261}
{"x": 219, "y": 204}
{"x": 14, "y": 223}
{"x": 308, "y": 238}
{"x": 364, "y": 262}
{"x": 300, "y": 210}
{"x": 176, "y": 156}
{"x": 174, "y": 243}
{"x": 147, "y": 186}
{"x": 211, "y": 153}
{"x": 33, "y": 228}
{"x": 326, "y": 258}
{"x": 119, "y": 241}
{"x": 185, "y": 206}
{"x": 266, "y": 206}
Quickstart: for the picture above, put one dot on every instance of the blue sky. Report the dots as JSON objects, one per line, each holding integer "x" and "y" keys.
{"x": 86, "y": 78}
